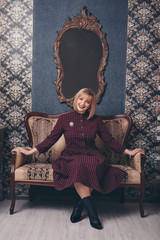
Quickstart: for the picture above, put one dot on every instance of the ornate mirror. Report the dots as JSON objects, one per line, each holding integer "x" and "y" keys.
{"x": 80, "y": 52}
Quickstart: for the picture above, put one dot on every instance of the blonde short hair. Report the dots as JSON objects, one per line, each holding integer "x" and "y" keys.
{"x": 91, "y": 93}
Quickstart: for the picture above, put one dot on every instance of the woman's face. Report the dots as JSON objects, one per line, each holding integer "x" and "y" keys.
{"x": 83, "y": 103}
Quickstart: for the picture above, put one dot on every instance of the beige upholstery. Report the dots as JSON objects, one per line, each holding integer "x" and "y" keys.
{"x": 136, "y": 162}
{"x": 34, "y": 172}
{"x": 43, "y": 172}
{"x": 20, "y": 158}
{"x": 133, "y": 177}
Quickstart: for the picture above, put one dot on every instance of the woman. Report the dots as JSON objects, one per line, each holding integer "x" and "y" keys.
{"x": 81, "y": 163}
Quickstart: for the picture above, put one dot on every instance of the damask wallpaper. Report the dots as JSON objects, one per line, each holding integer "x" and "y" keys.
{"x": 16, "y": 77}
{"x": 141, "y": 82}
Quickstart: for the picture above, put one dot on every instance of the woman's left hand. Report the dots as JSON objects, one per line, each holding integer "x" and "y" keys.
{"x": 133, "y": 152}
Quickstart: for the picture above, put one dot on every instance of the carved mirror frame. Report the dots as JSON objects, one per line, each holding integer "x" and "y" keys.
{"x": 88, "y": 22}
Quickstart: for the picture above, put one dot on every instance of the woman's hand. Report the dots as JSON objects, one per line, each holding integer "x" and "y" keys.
{"x": 27, "y": 152}
{"x": 133, "y": 152}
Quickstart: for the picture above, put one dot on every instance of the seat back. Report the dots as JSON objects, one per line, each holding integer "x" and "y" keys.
{"x": 39, "y": 126}
{"x": 119, "y": 126}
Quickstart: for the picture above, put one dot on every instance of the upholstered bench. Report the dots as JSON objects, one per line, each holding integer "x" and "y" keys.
{"x": 37, "y": 169}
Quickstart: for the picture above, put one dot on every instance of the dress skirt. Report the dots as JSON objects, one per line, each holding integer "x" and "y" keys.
{"x": 92, "y": 171}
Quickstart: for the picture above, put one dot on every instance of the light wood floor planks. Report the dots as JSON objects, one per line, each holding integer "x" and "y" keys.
{"x": 49, "y": 220}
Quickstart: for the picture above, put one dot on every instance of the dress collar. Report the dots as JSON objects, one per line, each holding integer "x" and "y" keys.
{"x": 81, "y": 115}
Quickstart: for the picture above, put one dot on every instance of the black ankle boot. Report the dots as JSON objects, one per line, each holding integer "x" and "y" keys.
{"x": 77, "y": 211}
{"x": 93, "y": 217}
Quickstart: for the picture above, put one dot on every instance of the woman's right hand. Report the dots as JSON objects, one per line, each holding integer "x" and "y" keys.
{"x": 27, "y": 152}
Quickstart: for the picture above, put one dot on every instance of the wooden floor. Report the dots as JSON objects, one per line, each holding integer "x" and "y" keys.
{"x": 46, "y": 220}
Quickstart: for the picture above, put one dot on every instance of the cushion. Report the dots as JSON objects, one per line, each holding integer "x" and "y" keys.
{"x": 133, "y": 176}
{"x": 41, "y": 172}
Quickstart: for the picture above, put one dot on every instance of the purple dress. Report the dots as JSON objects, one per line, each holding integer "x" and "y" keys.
{"x": 81, "y": 161}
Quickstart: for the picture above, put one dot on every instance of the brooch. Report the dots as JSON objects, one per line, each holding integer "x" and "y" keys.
{"x": 71, "y": 124}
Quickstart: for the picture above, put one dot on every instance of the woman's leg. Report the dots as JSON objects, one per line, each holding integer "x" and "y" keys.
{"x": 93, "y": 216}
{"x": 85, "y": 194}
{"x": 82, "y": 190}
{"x": 77, "y": 211}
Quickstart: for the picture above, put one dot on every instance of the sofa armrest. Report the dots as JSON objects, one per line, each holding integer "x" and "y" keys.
{"x": 18, "y": 159}
{"x": 137, "y": 162}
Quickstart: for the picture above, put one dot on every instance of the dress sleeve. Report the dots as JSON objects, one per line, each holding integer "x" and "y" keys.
{"x": 52, "y": 138}
{"x": 108, "y": 138}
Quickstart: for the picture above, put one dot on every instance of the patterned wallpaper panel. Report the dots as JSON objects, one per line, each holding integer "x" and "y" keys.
{"x": 16, "y": 70}
{"x": 141, "y": 81}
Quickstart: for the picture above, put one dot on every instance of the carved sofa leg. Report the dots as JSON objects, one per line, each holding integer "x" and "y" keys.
{"x": 12, "y": 190}
{"x": 142, "y": 189}
{"x": 12, "y": 183}
{"x": 141, "y": 201}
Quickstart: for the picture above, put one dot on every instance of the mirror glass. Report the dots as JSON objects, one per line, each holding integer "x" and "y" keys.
{"x": 80, "y": 53}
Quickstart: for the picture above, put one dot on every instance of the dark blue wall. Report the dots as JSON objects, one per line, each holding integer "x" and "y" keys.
{"x": 49, "y": 16}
